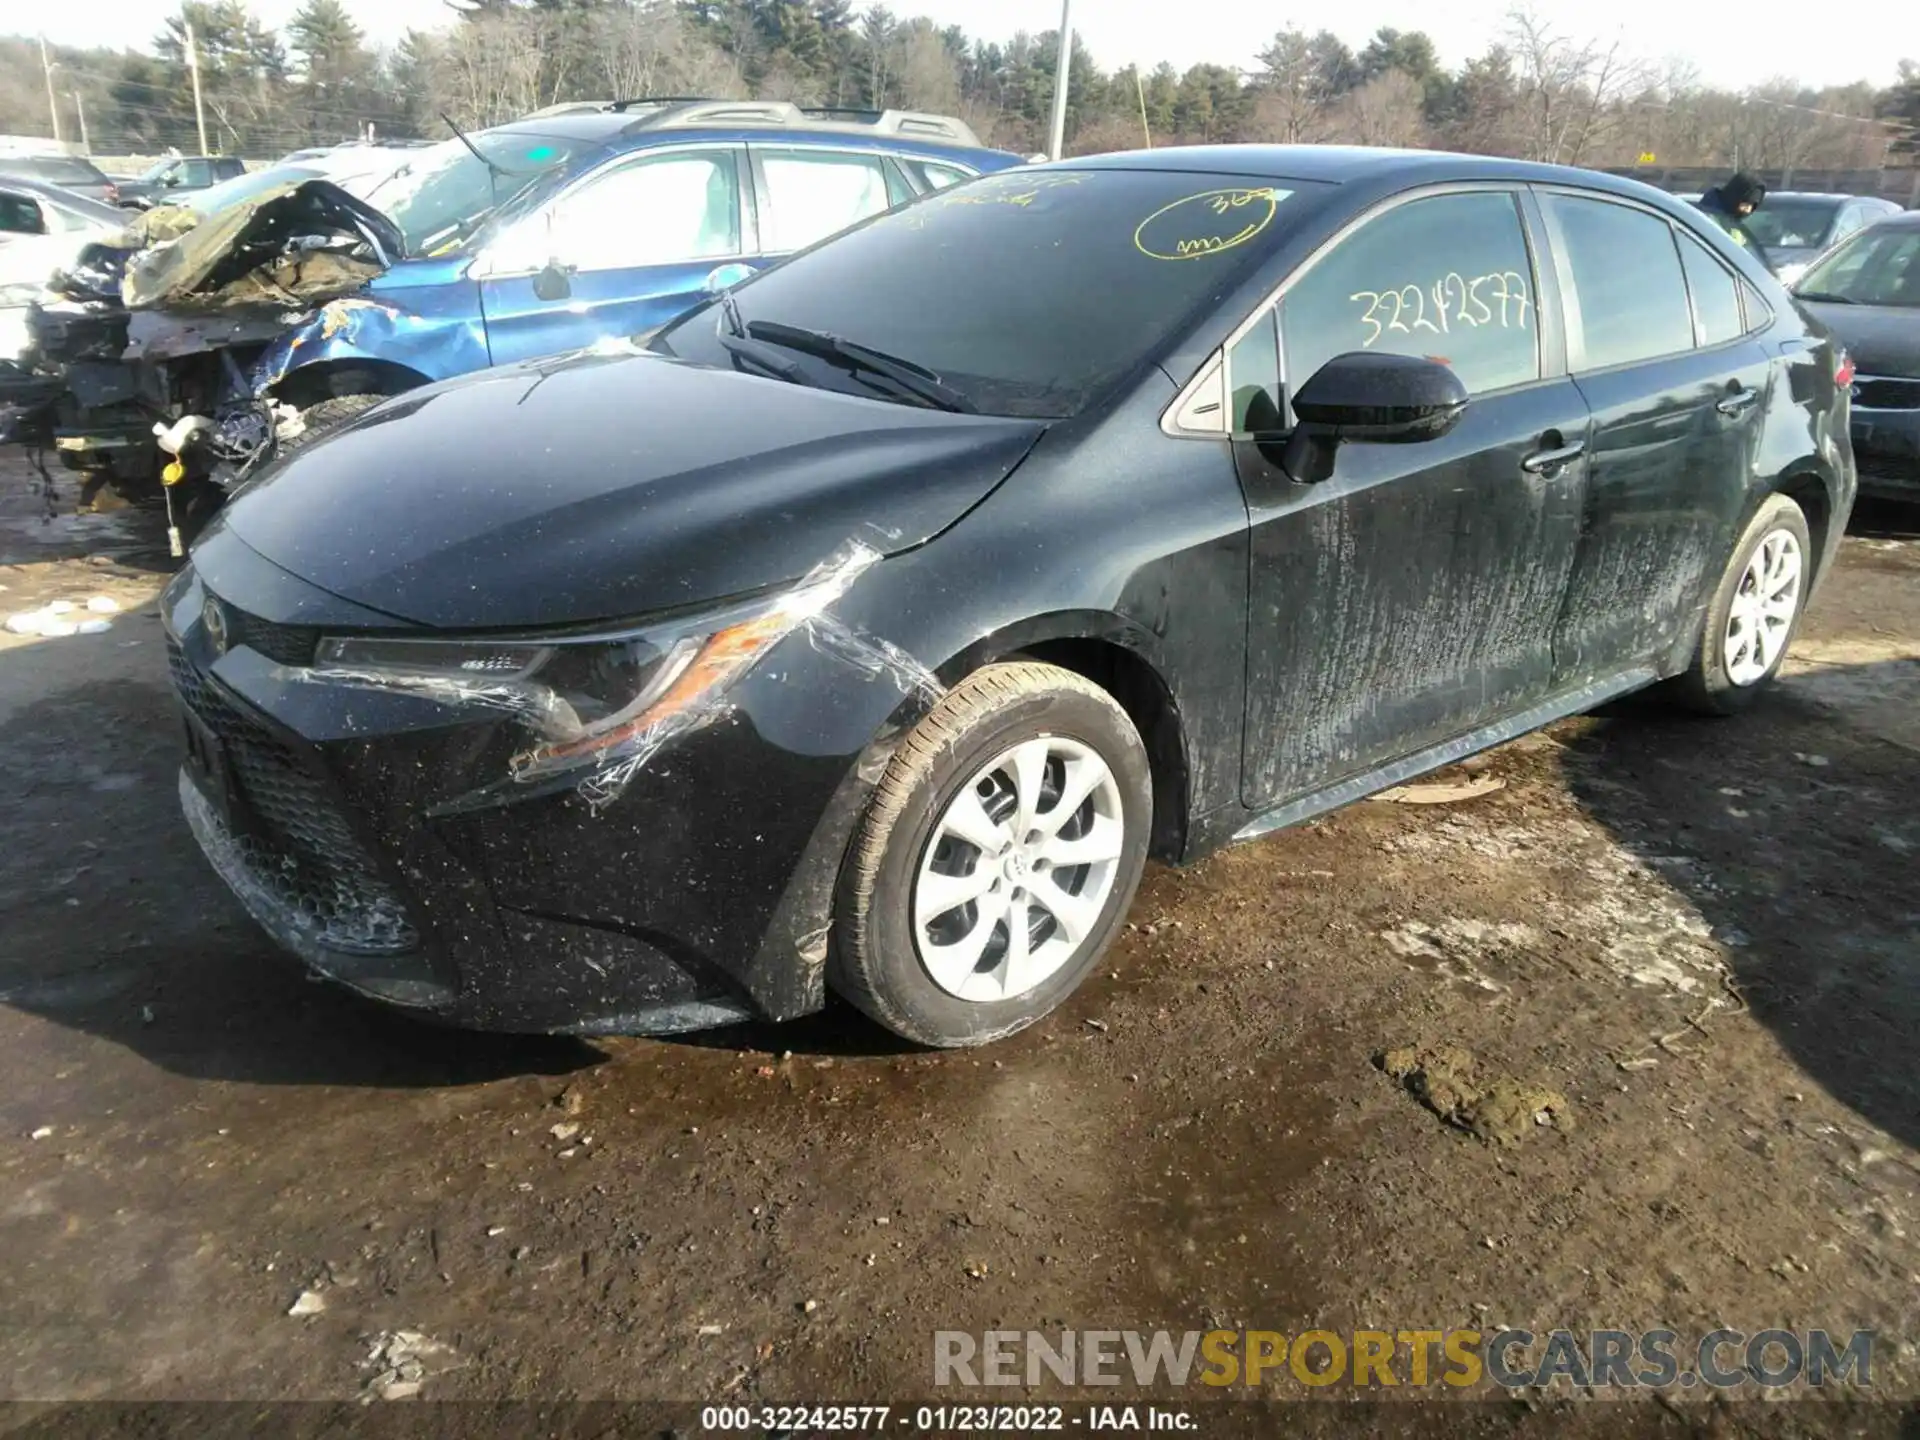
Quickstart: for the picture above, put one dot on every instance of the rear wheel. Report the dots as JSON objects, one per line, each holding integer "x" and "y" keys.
{"x": 1754, "y": 613}
{"x": 998, "y": 859}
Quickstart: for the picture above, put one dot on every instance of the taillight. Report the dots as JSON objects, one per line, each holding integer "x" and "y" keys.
{"x": 1843, "y": 371}
{"x": 113, "y": 194}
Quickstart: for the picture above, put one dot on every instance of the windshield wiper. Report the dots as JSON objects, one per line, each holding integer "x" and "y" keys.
{"x": 1821, "y": 297}
{"x": 916, "y": 380}
{"x": 764, "y": 357}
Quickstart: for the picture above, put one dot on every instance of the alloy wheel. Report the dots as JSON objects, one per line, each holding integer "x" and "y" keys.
{"x": 1761, "y": 616}
{"x": 1018, "y": 869}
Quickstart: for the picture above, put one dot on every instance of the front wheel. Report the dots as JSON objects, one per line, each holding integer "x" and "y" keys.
{"x": 324, "y": 418}
{"x": 998, "y": 860}
{"x": 1754, "y": 612}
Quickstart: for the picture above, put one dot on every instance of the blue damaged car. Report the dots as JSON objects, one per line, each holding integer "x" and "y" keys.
{"x": 276, "y": 306}
{"x": 599, "y": 222}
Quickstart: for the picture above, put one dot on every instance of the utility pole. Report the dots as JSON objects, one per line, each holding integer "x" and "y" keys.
{"x": 86, "y": 145}
{"x": 199, "y": 110}
{"x": 53, "y": 103}
{"x": 1057, "y": 142}
{"x": 1140, "y": 87}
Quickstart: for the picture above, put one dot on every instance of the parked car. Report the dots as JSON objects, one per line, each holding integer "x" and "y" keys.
{"x": 1867, "y": 292}
{"x": 623, "y": 214}
{"x": 522, "y": 240}
{"x": 70, "y": 172}
{"x": 871, "y": 626}
{"x": 42, "y": 228}
{"x": 168, "y": 181}
{"x": 1794, "y": 226}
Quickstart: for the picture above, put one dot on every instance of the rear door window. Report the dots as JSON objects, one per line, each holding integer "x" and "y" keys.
{"x": 1716, "y": 295}
{"x": 811, "y": 194}
{"x": 1447, "y": 277}
{"x": 1629, "y": 292}
{"x": 20, "y": 216}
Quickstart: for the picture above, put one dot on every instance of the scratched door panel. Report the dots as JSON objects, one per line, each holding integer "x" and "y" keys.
{"x": 1411, "y": 596}
{"x": 1667, "y": 477}
{"x": 1676, "y": 410}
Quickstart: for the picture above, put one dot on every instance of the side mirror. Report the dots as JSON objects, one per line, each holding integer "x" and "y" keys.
{"x": 550, "y": 281}
{"x": 1378, "y": 398}
{"x": 726, "y": 277}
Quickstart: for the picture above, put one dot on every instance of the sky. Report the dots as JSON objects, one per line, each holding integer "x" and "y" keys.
{"x": 1732, "y": 46}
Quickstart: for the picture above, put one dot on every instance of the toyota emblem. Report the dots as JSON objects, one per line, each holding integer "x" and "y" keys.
{"x": 215, "y": 620}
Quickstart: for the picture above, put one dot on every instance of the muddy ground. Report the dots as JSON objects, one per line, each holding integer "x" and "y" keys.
{"x": 1704, "y": 935}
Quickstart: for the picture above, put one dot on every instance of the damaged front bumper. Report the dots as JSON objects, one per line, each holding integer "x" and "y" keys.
{"x": 379, "y": 831}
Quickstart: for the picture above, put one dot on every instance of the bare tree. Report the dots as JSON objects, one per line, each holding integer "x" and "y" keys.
{"x": 648, "y": 49}
{"x": 1568, "y": 91}
{"x": 1387, "y": 110}
{"x": 923, "y": 68}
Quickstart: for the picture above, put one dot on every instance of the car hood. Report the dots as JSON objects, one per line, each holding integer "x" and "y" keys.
{"x": 603, "y": 486}
{"x": 297, "y": 240}
{"x": 1882, "y": 339}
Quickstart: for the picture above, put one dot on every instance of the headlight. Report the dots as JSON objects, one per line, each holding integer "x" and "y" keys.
{"x": 601, "y": 703}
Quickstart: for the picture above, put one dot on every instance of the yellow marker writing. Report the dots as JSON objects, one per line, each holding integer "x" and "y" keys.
{"x": 1209, "y": 223}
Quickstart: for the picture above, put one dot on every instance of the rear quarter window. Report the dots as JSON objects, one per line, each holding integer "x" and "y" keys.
{"x": 1716, "y": 294}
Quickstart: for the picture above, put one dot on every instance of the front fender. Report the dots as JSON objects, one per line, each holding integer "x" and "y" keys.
{"x": 361, "y": 327}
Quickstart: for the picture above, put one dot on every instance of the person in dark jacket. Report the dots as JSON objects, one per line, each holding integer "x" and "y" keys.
{"x": 1730, "y": 203}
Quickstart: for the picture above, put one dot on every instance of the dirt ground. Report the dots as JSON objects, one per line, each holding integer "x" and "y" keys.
{"x": 1705, "y": 936}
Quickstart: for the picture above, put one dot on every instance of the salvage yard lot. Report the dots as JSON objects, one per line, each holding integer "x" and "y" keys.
{"x": 1703, "y": 936}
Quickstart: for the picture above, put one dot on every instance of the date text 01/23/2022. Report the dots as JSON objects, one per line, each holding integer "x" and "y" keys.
{"x": 953, "y": 1419}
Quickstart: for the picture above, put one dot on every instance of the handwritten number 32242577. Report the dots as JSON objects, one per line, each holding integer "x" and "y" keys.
{"x": 1498, "y": 298}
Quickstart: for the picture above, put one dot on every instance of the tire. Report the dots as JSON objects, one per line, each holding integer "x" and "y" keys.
{"x": 962, "y": 766}
{"x": 327, "y": 416}
{"x": 1724, "y": 679}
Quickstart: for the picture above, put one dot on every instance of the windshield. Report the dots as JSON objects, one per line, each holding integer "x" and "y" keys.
{"x": 153, "y": 172}
{"x": 439, "y": 197}
{"x": 1792, "y": 224}
{"x": 1874, "y": 267}
{"x": 1029, "y": 292}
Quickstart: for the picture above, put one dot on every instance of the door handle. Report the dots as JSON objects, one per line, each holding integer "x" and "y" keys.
{"x": 1738, "y": 402}
{"x": 1545, "y": 462}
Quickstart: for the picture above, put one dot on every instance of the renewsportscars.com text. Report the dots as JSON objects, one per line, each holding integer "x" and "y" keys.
{"x": 1450, "y": 1359}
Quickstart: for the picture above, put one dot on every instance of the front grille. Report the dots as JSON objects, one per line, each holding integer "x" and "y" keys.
{"x": 1878, "y": 392}
{"x": 287, "y": 644}
{"x": 301, "y": 854}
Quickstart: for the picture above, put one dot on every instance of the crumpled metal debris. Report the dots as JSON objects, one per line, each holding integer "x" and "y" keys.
{"x": 296, "y": 242}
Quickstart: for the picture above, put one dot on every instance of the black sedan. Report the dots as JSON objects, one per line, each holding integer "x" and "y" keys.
{"x": 1794, "y": 226}
{"x": 1868, "y": 293}
{"x": 869, "y": 627}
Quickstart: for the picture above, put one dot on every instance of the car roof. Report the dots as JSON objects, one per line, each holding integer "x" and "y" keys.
{"x": 29, "y": 164}
{"x": 632, "y": 124}
{"x": 1836, "y": 197}
{"x": 1359, "y": 164}
{"x": 62, "y": 197}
